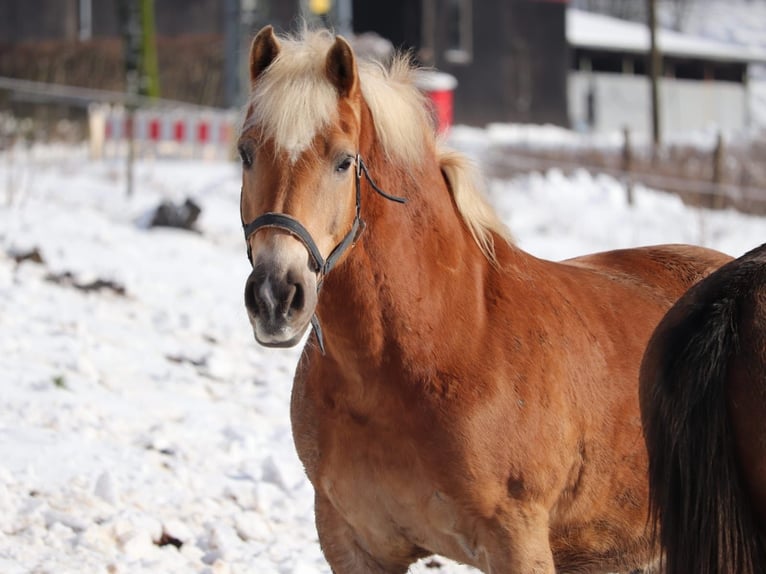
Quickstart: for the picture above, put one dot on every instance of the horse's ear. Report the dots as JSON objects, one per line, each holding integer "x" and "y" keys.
{"x": 263, "y": 50}
{"x": 341, "y": 67}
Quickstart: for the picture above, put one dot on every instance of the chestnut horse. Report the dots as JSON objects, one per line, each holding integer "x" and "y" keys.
{"x": 703, "y": 403}
{"x": 458, "y": 396}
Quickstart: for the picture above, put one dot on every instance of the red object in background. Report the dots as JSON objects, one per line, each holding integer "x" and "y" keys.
{"x": 154, "y": 130}
{"x": 179, "y": 131}
{"x": 214, "y": 128}
{"x": 440, "y": 89}
{"x": 442, "y": 101}
{"x": 203, "y": 132}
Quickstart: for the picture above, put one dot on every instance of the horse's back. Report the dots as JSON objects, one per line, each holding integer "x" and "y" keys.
{"x": 665, "y": 270}
{"x": 703, "y": 391}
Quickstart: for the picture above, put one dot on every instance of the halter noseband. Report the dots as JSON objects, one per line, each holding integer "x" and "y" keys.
{"x": 321, "y": 266}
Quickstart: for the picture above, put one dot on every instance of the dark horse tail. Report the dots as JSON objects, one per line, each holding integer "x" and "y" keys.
{"x": 699, "y": 507}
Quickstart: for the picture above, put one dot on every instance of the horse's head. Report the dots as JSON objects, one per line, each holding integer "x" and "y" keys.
{"x": 299, "y": 147}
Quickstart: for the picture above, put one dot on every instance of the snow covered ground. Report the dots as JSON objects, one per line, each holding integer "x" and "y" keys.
{"x": 146, "y": 432}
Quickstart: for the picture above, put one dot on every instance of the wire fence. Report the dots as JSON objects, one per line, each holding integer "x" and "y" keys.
{"x": 715, "y": 184}
{"x": 120, "y": 124}
{"x": 710, "y": 181}
{"x": 26, "y": 90}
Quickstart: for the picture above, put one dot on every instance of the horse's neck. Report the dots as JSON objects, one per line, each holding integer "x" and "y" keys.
{"x": 414, "y": 269}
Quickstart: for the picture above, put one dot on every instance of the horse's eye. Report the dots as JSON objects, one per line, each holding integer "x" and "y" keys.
{"x": 344, "y": 164}
{"x": 247, "y": 158}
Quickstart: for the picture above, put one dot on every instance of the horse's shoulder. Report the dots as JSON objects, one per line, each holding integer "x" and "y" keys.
{"x": 671, "y": 268}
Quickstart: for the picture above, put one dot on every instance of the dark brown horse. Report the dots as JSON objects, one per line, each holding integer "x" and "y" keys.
{"x": 703, "y": 403}
{"x": 465, "y": 398}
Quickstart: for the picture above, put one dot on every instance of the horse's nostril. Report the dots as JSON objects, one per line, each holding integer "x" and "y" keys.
{"x": 250, "y": 303}
{"x": 299, "y": 298}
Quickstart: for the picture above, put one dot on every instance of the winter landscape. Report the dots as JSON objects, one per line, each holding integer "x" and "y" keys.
{"x": 142, "y": 429}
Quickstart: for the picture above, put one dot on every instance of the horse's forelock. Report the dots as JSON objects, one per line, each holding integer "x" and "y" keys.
{"x": 293, "y": 100}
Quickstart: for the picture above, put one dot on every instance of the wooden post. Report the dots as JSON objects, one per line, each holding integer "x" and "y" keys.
{"x": 627, "y": 165}
{"x": 10, "y": 180}
{"x": 130, "y": 125}
{"x": 655, "y": 71}
{"x": 427, "y": 52}
{"x": 718, "y": 199}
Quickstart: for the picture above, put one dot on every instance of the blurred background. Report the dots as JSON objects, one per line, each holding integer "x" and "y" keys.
{"x": 142, "y": 430}
{"x": 514, "y": 59}
{"x": 695, "y": 90}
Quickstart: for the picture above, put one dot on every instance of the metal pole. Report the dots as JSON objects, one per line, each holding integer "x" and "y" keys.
{"x": 130, "y": 18}
{"x": 131, "y": 87}
{"x": 131, "y": 158}
{"x": 86, "y": 20}
{"x": 232, "y": 42}
{"x": 655, "y": 69}
{"x": 345, "y": 17}
{"x": 149, "y": 68}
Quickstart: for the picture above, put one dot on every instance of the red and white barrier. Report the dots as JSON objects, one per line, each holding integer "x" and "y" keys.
{"x": 188, "y": 133}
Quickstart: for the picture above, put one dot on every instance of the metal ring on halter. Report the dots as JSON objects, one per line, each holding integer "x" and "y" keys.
{"x": 321, "y": 266}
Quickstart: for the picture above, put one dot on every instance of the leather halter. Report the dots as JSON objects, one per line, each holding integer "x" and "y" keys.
{"x": 320, "y": 265}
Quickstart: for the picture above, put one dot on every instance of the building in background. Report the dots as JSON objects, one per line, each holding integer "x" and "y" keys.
{"x": 510, "y": 57}
{"x": 530, "y": 61}
{"x": 80, "y": 43}
{"x": 201, "y": 44}
{"x": 704, "y": 83}
{"x": 48, "y": 20}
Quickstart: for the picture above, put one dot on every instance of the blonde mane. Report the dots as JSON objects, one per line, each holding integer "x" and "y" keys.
{"x": 293, "y": 100}
{"x": 465, "y": 184}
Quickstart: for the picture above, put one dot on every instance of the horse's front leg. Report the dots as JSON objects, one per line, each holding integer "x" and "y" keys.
{"x": 341, "y": 548}
{"x": 520, "y": 544}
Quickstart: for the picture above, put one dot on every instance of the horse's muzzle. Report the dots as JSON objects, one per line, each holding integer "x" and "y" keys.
{"x": 280, "y": 304}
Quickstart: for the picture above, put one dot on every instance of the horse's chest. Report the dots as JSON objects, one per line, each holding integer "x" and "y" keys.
{"x": 375, "y": 504}
{"x": 377, "y": 480}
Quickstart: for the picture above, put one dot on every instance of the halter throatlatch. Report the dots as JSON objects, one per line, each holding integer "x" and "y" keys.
{"x": 320, "y": 265}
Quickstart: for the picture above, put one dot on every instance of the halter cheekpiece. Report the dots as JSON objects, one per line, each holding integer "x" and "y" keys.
{"x": 320, "y": 265}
